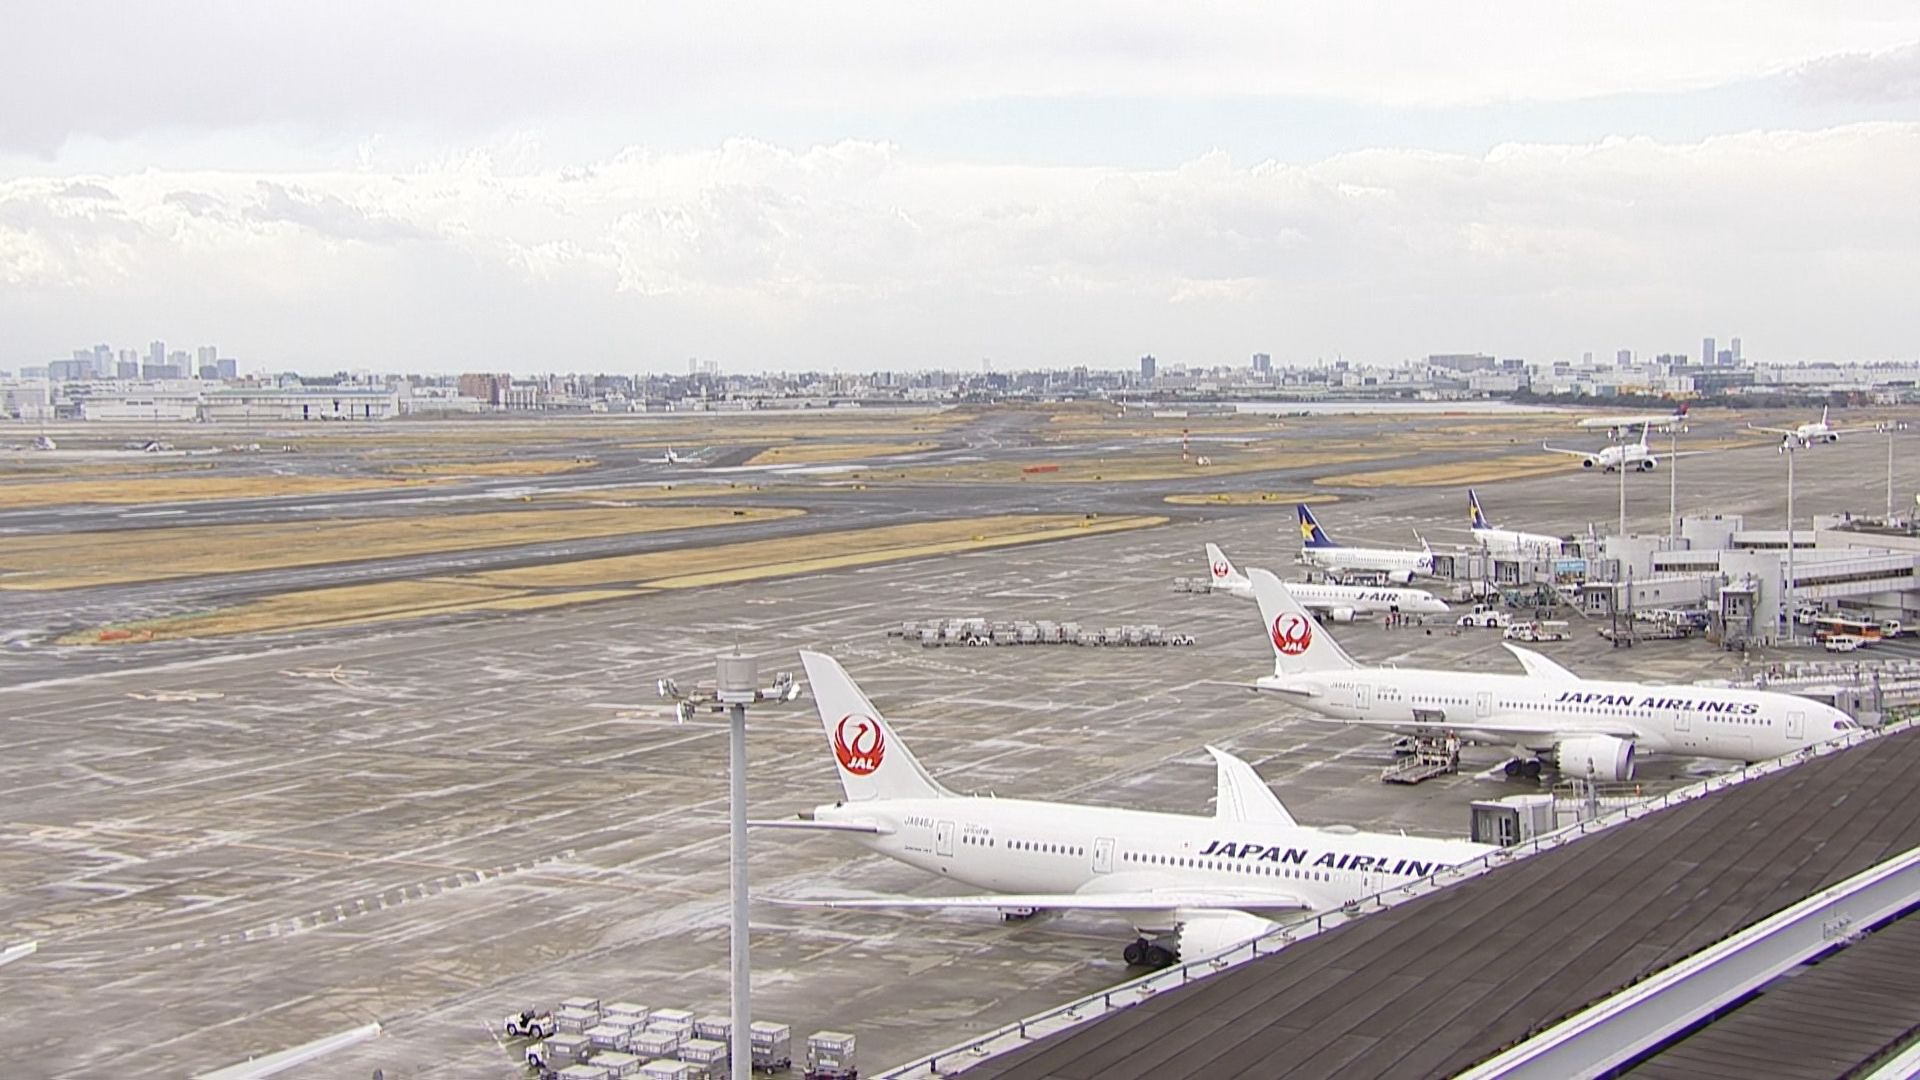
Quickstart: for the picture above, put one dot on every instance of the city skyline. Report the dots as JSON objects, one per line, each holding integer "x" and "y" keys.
{"x": 1047, "y": 189}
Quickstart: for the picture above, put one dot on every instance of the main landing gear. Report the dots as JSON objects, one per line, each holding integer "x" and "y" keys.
{"x": 1150, "y": 954}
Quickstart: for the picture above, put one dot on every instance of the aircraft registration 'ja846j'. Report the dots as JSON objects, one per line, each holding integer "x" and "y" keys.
{"x": 1190, "y": 885}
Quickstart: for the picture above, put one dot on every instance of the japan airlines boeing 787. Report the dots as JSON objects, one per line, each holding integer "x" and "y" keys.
{"x": 1588, "y": 728}
{"x": 1190, "y": 885}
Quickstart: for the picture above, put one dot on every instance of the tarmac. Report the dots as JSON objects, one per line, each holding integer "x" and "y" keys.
{"x": 227, "y": 848}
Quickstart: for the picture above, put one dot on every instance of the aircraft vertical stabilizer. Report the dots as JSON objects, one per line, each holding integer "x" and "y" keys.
{"x": 1299, "y": 643}
{"x": 873, "y": 760}
{"x": 1240, "y": 794}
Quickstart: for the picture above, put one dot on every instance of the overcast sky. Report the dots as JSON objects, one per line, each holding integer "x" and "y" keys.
{"x": 622, "y": 186}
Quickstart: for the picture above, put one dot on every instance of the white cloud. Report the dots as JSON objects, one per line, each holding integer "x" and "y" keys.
{"x": 859, "y": 255}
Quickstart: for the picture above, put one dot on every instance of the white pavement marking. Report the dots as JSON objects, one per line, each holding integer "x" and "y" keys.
{"x": 287, "y": 1059}
{"x": 18, "y": 952}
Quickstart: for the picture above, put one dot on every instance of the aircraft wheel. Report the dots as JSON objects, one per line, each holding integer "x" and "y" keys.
{"x": 1135, "y": 953}
{"x": 1159, "y": 956}
{"x": 1533, "y": 769}
{"x": 1515, "y": 767}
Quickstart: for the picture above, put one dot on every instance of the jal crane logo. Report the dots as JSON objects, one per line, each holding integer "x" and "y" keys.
{"x": 1221, "y": 570}
{"x": 1292, "y": 633}
{"x": 859, "y": 751}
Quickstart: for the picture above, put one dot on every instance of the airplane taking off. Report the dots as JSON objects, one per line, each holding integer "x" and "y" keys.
{"x": 1584, "y": 727}
{"x": 1340, "y": 603}
{"x": 1506, "y": 541}
{"x": 1617, "y": 424}
{"x": 1809, "y": 433}
{"x": 1190, "y": 885}
{"x": 1318, "y": 549}
{"x": 672, "y": 458}
{"x": 1631, "y": 455}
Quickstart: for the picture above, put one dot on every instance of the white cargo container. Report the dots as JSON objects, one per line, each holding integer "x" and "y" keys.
{"x": 573, "y": 1021}
{"x": 708, "y": 1058}
{"x": 656, "y": 1043}
{"x": 830, "y": 1056}
{"x": 583, "y": 1072}
{"x": 558, "y": 1051}
{"x": 608, "y": 1036}
{"x": 772, "y": 1045}
{"x": 715, "y": 1028}
{"x": 584, "y": 1004}
{"x": 619, "y": 1064}
{"x": 624, "y": 1011}
{"x": 667, "y": 1069}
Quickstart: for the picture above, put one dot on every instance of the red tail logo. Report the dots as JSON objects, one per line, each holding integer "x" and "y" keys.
{"x": 1221, "y": 569}
{"x": 861, "y": 752}
{"x": 1292, "y": 633}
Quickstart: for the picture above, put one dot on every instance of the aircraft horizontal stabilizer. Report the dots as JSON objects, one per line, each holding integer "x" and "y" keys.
{"x": 822, "y": 826}
{"x": 1142, "y": 900}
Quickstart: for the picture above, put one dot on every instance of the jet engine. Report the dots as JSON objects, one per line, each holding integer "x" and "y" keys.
{"x": 1588, "y": 463}
{"x": 1648, "y": 464}
{"x": 1599, "y": 757}
{"x": 1833, "y": 436}
{"x": 1340, "y": 614}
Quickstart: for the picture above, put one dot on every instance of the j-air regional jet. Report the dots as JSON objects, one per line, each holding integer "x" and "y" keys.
{"x": 1587, "y": 728}
{"x": 1190, "y": 885}
{"x": 1396, "y": 565}
{"x": 1628, "y": 455}
{"x": 1811, "y": 432}
{"x": 1339, "y": 603}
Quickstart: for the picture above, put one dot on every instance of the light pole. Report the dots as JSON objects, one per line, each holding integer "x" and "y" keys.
{"x": 735, "y": 686}
{"x": 1888, "y": 429}
{"x": 1623, "y": 498}
{"x": 1673, "y": 487}
{"x": 1786, "y": 447}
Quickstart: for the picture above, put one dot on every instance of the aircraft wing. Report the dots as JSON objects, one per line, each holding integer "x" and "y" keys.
{"x": 1158, "y": 899}
{"x": 1505, "y": 727}
{"x": 1575, "y": 453}
{"x": 1774, "y": 430}
{"x": 1679, "y": 454}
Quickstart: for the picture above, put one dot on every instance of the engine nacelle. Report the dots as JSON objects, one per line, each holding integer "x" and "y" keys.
{"x": 1648, "y": 464}
{"x": 1587, "y": 463}
{"x": 1833, "y": 436}
{"x": 1340, "y": 614}
{"x": 1599, "y": 757}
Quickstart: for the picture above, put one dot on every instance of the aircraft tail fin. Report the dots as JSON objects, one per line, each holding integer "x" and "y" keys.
{"x": 873, "y": 760}
{"x": 1311, "y": 534}
{"x": 1300, "y": 645}
{"x": 1222, "y": 570}
{"x": 1478, "y": 516}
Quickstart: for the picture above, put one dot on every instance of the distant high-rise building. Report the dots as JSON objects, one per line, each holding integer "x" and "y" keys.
{"x": 1262, "y": 364}
{"x": 157, "y": 353}
{"x": 127, "y": 369}
{"x": 1148, "y": 366}
{"x": 227, "y": 368}
{"x": 1736, "y": 351}
{"x": 207, "y": 356}
{"x": 1586, "y": 359}
{"x": 1707, "y": 352}
{"x": 1724, "y": 358}
{"x": 1623, "y": 358}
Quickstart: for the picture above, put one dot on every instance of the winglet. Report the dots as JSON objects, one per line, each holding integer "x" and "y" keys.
{"x": 1240, "y": 794}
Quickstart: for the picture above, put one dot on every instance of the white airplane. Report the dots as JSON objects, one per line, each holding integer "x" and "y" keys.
{"x": 1190, "y": 885}
{"x": 43, "y": 442}
{"x": 1630, "y": 455}
{"x": 1584, "y": 727}
{"x": 1617, "y": 424}
{"x": 1808, "y": 434}
{"x": 1506, "y": 541}
{"x": 1318, "y": 549}
{"x": 1340, "y": 603}
{"x": 673, "y": 458}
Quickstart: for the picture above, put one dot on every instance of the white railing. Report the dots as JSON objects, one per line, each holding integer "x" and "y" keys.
{"x": 1074, "y": 1013}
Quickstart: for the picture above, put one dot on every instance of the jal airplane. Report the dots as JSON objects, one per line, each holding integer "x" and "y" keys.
{"x": 1587, "y": 728}
{"x": 1505, "y": 541}
{"x": 1340, "y": 603}
{"x": 1318, "y": 549}
{"x": 1631, "y": 455}
{"x": 1617, "y": 424}
{"x": 1809, "y": 433}
{"x": 1191, "y": 885}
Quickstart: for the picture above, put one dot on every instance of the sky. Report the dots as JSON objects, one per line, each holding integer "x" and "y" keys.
{"x": 444, "y": 187}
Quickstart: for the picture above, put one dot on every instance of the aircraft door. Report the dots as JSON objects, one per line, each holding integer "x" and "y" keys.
{"x": 1363, "y": 698}
{"x": 1483, "y": 704}
{"x": 943, "y": 838}
{"x": 1103, "y": 855}
{"x": 1796, "y": 725}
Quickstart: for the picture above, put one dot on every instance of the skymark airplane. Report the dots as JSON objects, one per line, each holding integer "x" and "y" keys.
{"x": 1617, "y": 424}
{"x": 1339, "y": 603}
{"x": 1190, "y": 885}
{"x": 1505, "y": 541}
{"x": 1632, "y": 455}
{"x": 1585, "y": 727}
{"x": 1400, "y": 566}
{"x": 1809, "y": 433}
